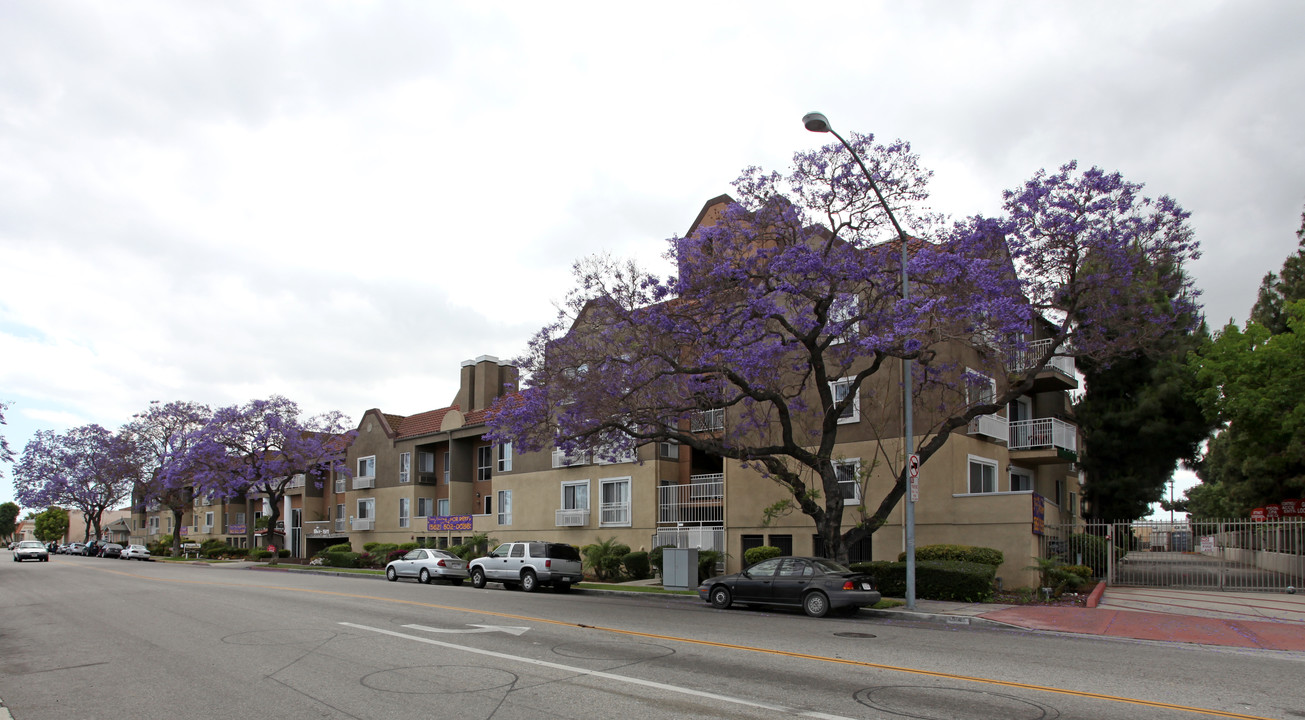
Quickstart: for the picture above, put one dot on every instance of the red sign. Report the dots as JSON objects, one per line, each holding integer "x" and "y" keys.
{"x": 1257, "y": 515}
{"x": 1291, "y": 508}
{"x": 1272, "y": 512}
{"x": 271, "y": 548}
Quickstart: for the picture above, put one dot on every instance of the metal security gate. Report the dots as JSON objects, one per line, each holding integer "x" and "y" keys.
{"x": 1240, "y": 554}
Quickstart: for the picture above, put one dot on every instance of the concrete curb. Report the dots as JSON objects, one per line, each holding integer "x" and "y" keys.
{"x": 1095, "y": 596}
{"x": 938, "y": 618}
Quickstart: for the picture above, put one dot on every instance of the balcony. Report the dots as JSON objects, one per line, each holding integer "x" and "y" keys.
{"x": 993, "y": 426}
{"x": 362, "y": 525}
{"x": 699, "y": 501}
{"x": 1057, "y": 374}
{"x": 364, "y": 483}
{"x": 572, "y": 518}
{"x": 1043, "y": 441}
{"x": 707, "y": 420}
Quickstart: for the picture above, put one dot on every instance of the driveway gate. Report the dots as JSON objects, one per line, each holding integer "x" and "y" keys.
{"x": 1240, "y": 554}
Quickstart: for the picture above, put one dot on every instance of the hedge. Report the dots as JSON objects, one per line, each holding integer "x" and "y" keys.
{"x": 636, "y": 565}
{"x": 934, "y": 579}
{"x": 959, "y": 553}
{"x": 764, "y": 552}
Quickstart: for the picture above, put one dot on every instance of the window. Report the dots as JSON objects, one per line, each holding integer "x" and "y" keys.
{"x": 669, "y": 450}
{"x": 843, "y": 312}
{"x": 447, "y": 474}
{"x": 749, "y": 542}
{"x": 208, "y": 519}
{"x": 425, "y": 506}
{"x": 366, "y": 508}
{"x": 339, "y": 512}
{"x": 405, "y": 467}
{"x": 489, "y": 507}
{"x": 484, "y": 463}
{"x": 405, "y": 506}
{"x": 504, "y": 507}
{"x": 504, "y": 457}
{"x": 443, "y": 509}
{"x": 575, "y": 495}
{"x": 240, "y": 518}
{"x": 339, "y": 484}
{"x": 367, "y": 467}
{"x": 1060, "y": 492}
{"x": 425, "y": 462}
{"x": 979, "y": 388}
{"x": 783, "y": 542}
{"x": 849, "y": 480}
{"x": 1073, "y": 504}
{"x": 839, "y": 389}
{"x": 1020, "y": 481}
{"x": 983, "y": 475}
{"x": 615, "y": 508}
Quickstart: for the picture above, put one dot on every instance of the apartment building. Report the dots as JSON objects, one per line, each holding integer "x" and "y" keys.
{"x": 424, "y": 478}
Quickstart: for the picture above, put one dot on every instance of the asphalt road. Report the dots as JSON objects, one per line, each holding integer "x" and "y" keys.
{"x": 96, "y": 638}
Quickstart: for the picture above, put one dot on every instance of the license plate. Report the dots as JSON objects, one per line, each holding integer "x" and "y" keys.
{"x": 865, "y": 586}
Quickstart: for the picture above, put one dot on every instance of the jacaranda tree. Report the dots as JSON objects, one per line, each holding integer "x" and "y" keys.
{"x": 87, "y": 468}
{"x": 164, "y": 433}
{"x": 787, "y": 314}
{"x": 258, "y": 449}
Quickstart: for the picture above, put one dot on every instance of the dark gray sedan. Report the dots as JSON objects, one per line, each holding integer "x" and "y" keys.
{"x": 817, "y": 585}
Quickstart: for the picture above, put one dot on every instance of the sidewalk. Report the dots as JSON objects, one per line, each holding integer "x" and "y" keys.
{"x": 1268, "y": 621}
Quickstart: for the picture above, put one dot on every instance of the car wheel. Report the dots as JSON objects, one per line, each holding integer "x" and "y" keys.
{"x": 562, "y": 587}
{"x": 529, "y": 582}
{"x": 423, "y": 577}
{"x": 720, "y": 597}
{"x": 477, "y": 578}
{"x": 391, "y": 574}
{"x": 816, "y": 604}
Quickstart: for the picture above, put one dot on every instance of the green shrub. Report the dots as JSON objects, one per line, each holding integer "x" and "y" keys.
{"x": 342, "y": 547}
{"x": 1082, "y": 571}
{"x": 707, "y": 560}
{"x": 409, "y": 546}
{"x": 636, "y": 565}
{"x": 283, "y": 553}
{"x": 953, "y": 580}
{"x": 1054, "y": 574}
{"x": 380, "y": 549}
{"x": 960, "y": 553}
{"x": 259, "y": 554}
{"x": 237, "y": 552}
{"x": 344, "y": 559}
{"x": 604, "y": 558}
{"x": 395, "y": 554}
{"x": 757, "y": 554}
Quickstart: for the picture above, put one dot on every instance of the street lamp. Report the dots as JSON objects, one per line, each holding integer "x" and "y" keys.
{"x": 817, "y": 122}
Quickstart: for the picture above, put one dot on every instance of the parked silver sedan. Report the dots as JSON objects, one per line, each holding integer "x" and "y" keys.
{"x": 135, "y": 552}
{"x": 427, "y": 564}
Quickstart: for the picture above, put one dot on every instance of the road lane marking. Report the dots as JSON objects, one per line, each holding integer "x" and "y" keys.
{"x": 709, "y": 643}
{"x": 604, "y": 675}
{"x": 476, "y": 629}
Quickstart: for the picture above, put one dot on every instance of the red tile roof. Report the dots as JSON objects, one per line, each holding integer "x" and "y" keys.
{"x": 425, "y": 423}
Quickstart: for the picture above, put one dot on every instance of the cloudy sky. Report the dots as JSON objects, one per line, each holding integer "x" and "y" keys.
{"x": 340, "y": 202}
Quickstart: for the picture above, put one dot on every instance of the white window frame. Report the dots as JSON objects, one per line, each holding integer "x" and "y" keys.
{"x": 972, "y": 460}
{"x": 853, "y": 412}
{"x": 427, "y": 504}
{"x": 504, "y": 507}
{"x": 974, "y": 396}
{"x": 668, "y": 450}
{"x": 405, "y": 467}
{"x": 503, "y": 452}
{"x": 425, "y": 462}
{"x": 855, "y": 482}
{"x": 1019, "y": 472}
{"x": 603, "y": 508}
{"x": 574, "y": 484}
{"x": 448, "y": 472}
{"x": 339, "y": 484}
{"x": 366, "y": 463}
{"x": 370, "y": 504}
{"x": 844, "y": 308}
{"x": 441, "y": 507}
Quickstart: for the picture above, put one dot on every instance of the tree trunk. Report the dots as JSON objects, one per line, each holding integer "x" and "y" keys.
{"x": 275, "y": 503}
{"x": 176, "y": 536}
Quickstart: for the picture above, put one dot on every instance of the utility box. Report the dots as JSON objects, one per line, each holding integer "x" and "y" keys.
{"x": 680, "y": 568}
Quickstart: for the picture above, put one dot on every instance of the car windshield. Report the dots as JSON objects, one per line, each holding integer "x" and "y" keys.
{"x": 30, "y": 544}
{"x": 831, "y": 566}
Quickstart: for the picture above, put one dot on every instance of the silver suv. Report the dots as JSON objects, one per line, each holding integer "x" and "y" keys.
{"x": 529, "y": 565}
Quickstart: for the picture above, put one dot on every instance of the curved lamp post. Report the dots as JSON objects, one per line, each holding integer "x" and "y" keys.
{"x": 817, "y": 122}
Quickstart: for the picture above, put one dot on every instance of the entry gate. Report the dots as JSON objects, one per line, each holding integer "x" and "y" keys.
{"x": 1239, "y": 554}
